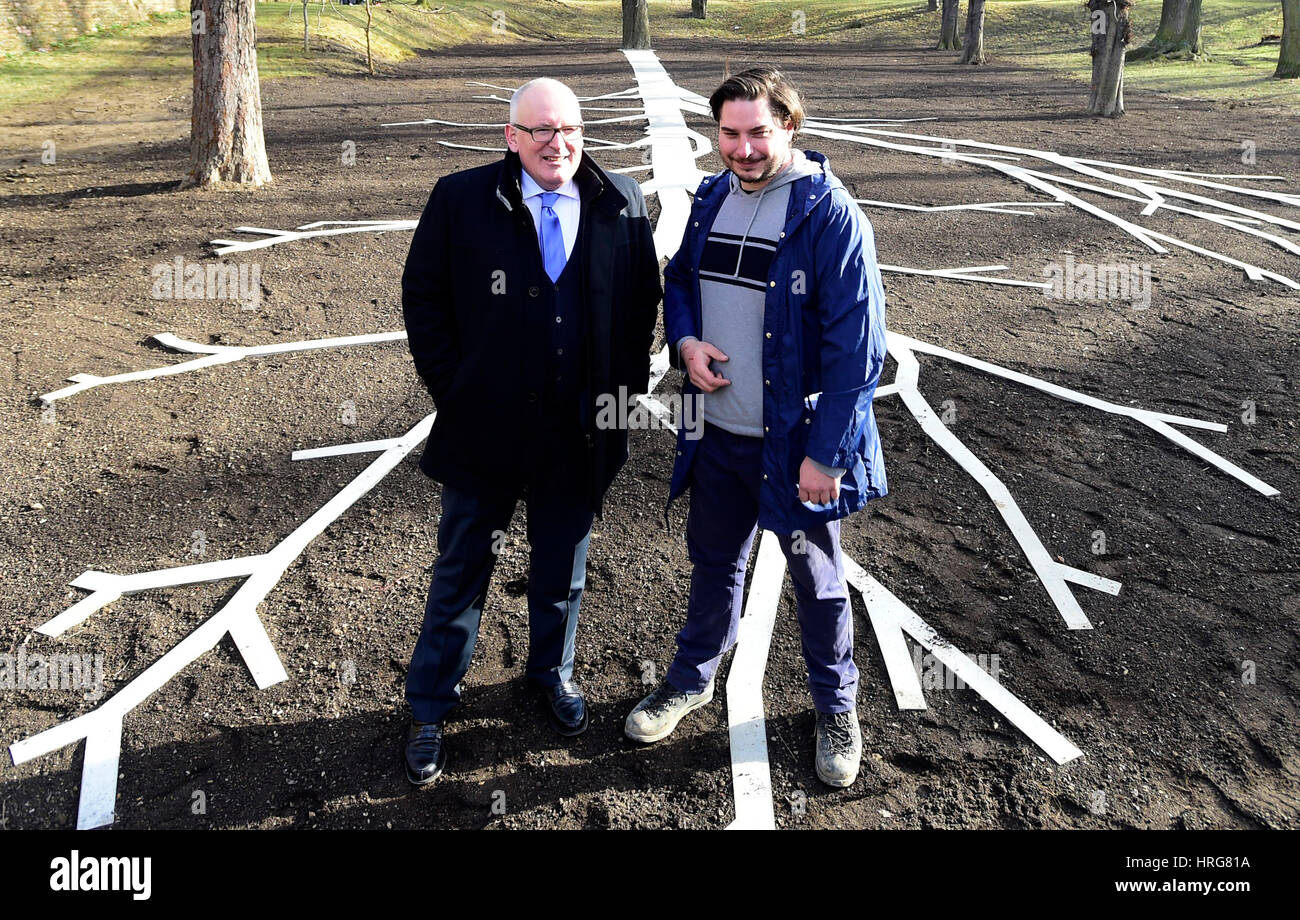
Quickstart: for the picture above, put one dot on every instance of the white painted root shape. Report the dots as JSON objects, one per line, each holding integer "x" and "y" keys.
{"x": 751, "y": 777}
{"x": 237, "y": 617}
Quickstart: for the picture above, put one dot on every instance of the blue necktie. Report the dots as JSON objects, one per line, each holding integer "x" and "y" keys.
{"x": 553, "y": 256}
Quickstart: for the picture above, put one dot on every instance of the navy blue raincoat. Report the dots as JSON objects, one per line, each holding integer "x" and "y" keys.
{"x": 823, "y": 346}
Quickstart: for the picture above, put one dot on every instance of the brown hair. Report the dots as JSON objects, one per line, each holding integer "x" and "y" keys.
{"x": 761, "y": 83}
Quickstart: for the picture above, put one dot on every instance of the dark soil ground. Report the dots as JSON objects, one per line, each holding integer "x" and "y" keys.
{"x": 124, "y": 475}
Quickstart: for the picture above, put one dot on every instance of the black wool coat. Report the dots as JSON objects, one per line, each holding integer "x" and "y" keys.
{"x": 472, "y": 297}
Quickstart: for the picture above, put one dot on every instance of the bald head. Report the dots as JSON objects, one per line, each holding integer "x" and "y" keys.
{"x": 550, "y": 92}
{"x": 541, "y": 104}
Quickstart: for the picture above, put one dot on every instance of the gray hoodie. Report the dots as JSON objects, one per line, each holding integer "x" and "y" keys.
{"x": 733, "y": 294}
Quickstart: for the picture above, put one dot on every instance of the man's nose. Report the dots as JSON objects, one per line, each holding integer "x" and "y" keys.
{"x": 558, "y": 142}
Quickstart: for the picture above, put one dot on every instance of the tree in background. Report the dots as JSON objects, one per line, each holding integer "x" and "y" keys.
{"x": 1179, "y": 34}
{"x": 973, "y": 52}
{"x": 636, "y": 24}
{"x": 1111, "y": 30}
{"x": 948, "y": 39}
{"x": 699, "y": 9}
{"x": 226, "y": 142}
{"x": 370, "y": 63}
{"x": 1288, "y": 59}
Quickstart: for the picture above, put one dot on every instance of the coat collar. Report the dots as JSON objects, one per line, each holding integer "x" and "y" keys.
{"x": 593, "y": 184}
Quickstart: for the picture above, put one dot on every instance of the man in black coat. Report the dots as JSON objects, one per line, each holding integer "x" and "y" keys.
{"x": 531, "y": 290}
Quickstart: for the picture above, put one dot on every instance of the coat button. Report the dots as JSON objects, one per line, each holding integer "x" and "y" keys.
{"x": 766, "y": 429}
{"x": 534, "y": 291}
{"x": 765, "y": 476}
{"x": 696, "y": 224}
{"x": 771, "y": 284}
{"x": 782, "y": 234}
{"x": 807, "y": 421}
{"x": 532, "y": 397}
{"x": 768, "y": 334}
{"x": 767, "y": 383}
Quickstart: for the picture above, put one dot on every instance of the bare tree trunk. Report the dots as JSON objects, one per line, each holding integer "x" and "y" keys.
{"x": 370, "y": 63}
{"x": 1179, "y": 34}
{"x": 1288, "y": 59}
{"x": 948, "y": 38}
{"x": 1111, "y": 33}
{"x": 700, "y": 9}
{"x": 226, "y": 143}
{"x": 973, "y": 53}
{"x": 636, "y": 24}
{"x": 304, "y": 26}
{"x": 932, "y": 5}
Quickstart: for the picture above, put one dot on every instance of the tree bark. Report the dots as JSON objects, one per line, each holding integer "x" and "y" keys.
{"x": 1109, "y": 44}
{"x": 932, "y": 5}
{"x": 226, "y": 142}
{"x": 1288, "y": 58}
{"x": 304, "y": 25}
{"x": 948, "y": 38}
{"x": 636, "y": 24}
{"x": 370, "y": 63}
{"x": 1179, "y": 34}
{"x": 700, "y": 9}
{"x": 973, "y": 52}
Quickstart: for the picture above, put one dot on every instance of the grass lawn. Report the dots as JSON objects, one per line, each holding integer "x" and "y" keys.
{"x": 1049, "y": 34}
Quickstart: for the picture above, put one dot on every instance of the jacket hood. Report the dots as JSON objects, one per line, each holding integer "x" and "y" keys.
{"x": 799, "y": 166}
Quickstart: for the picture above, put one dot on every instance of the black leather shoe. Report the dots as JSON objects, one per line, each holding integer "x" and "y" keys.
{"x": 425, "y": 755}
{"x": 565, "y": 708}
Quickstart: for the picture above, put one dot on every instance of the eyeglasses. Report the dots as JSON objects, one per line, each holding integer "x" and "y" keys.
{"x": 545, "y": 134}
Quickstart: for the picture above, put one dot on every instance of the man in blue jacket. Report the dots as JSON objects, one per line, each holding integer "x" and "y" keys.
{"x": 775, "y": 306}
{"x": 531, "y": 289}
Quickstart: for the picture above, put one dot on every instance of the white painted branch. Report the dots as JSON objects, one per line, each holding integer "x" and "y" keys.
{"x": 1157, "y": 421}
{"x": 994, "y": 207}
{"x": 1042, "y": 562}
{"x": 308, "y": 231}
{"x": 1053, "y": 743}
{"x": 751, "y": 778}
{"x": 102, "y": 727}
{"x": 966, "y": 274}
{"x": 671, "y": 152}
{"x": 214, "y": 355}
{"x": 883, "y": 610}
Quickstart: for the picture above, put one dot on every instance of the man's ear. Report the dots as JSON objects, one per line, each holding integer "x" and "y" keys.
{"x": 511, "y": 141}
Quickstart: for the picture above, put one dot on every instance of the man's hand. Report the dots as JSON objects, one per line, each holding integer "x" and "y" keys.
{"x": 696, "y": 355}
{"x": 815, "y": 486}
